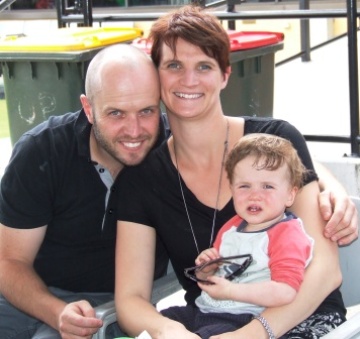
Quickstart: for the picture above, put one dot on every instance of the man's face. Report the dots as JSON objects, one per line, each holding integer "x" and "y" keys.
{"x": 125, "y": 116}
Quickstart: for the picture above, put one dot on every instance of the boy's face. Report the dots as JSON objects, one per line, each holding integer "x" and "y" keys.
{"x": 261, "y": 196}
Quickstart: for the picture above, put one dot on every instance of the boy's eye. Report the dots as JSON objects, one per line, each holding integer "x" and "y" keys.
{"x": 268, "y": 187}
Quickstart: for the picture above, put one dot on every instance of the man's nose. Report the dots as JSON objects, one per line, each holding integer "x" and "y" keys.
{"x": 132, "y": 125}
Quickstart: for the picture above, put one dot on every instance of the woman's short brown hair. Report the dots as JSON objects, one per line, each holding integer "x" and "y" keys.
{"x": 194, "y": 25}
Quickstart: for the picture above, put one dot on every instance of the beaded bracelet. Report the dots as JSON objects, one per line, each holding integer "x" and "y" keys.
{"x": 266, "y": 326}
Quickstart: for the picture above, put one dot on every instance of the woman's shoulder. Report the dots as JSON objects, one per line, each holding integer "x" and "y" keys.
{"x": 273, "y": 126}
{"x": 265, "y": 125}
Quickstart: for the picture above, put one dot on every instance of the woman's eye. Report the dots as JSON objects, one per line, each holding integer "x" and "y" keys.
{"x": 204, "y": 67}
{"x": 173, "y": 65}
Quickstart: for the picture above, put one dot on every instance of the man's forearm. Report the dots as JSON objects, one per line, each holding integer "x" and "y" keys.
{"x": 23, "y": 288}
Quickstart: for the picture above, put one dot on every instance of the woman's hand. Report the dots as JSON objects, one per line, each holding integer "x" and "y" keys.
{"x": 341, "y": 215}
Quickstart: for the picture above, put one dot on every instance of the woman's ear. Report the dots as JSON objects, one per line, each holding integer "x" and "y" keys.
{"x": 226, "y": 76}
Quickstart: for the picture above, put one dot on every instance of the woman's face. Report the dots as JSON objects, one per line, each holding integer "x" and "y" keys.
{"x": 190, "y": 81}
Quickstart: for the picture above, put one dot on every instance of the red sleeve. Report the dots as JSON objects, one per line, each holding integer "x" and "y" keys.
{"x": 289, "y": 251}
{"x": 234, "y": 221}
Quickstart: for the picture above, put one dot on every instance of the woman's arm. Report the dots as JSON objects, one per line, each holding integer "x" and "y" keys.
{"x": 321, "y": 277}
{"x": 337, "y": 208}
{"x": 135, "y": 253}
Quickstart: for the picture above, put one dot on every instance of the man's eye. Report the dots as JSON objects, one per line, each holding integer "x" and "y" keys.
{"x": 147, "y": 111}
{"x": 115, "y": 113}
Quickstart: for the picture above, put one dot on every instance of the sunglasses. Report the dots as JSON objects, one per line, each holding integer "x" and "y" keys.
{"x": 231, "y": 267}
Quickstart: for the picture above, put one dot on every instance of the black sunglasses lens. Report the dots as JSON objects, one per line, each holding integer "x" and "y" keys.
{"x": 231, "y": 268}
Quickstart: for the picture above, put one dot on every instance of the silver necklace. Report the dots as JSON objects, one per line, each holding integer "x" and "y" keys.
{"x": 226, "y": 144}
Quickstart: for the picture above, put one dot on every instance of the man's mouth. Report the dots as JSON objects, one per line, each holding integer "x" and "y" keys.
{"x": 132, "y": 144}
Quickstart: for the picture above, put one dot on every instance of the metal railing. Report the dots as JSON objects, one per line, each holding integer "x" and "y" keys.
{"x": 351, "y": 13}
{"x": 4, "y": 4}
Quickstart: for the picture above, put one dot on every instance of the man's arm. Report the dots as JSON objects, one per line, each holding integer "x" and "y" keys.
{"x": 23, "y": 288}
{"x": 19, "y": 283}
{"x": 337, "y": 208}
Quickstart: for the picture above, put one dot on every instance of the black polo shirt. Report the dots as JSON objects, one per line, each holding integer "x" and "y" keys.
{"x": 51, "y": 180}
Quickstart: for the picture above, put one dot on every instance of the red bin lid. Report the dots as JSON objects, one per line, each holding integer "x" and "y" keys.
{"x": 238, "y": 40}
{"x": 247, "y": 40}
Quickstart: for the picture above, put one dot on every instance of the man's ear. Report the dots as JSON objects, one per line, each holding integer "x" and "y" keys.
{"x": 87, "y": 107}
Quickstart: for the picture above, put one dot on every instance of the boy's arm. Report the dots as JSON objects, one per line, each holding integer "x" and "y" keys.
{"x": 266, "y": 293}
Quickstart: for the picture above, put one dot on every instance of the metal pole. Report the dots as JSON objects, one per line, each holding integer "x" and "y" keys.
{"x": 87, "y": 12}
{"x": 353, "y": 76}
{"x": 305, "y": 33}
{"x": 230, "y": 8}
{"x": 60, "y": 8}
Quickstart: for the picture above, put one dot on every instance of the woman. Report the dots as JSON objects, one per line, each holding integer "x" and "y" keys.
{"x": 181, "y": 191}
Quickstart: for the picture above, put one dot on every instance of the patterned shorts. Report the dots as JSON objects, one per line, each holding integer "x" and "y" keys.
{"x": 207, "y": 324}
{"x": 315, "y": 326}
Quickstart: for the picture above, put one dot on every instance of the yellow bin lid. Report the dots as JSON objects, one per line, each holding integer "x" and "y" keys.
{"x": 68, "y": 39}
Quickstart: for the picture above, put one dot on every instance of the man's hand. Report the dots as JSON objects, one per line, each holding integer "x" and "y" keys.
{"x": 342, "y": 217}
{"x": 78, "y": 321}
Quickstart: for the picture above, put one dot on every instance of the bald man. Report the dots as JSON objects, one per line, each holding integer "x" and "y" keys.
{"x": 57, "y": 200}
